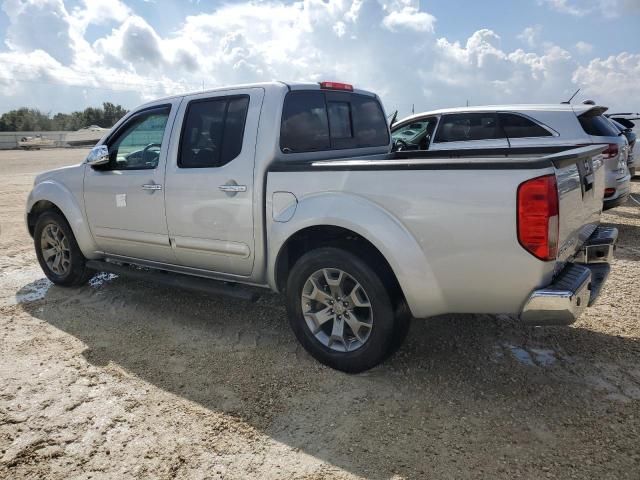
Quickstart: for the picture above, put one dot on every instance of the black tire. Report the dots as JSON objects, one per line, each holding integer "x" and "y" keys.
{"x": 401, "y": 327}
{"x": 381, "y": 338}
{"x": 77, "y": 273}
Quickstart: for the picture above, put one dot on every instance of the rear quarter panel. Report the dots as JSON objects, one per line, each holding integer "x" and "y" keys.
{"x": 466, "y": 259}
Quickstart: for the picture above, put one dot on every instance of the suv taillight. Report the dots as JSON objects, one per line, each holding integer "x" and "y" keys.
{"x": 611, "y": 151}
{"x": 539, "y": 217}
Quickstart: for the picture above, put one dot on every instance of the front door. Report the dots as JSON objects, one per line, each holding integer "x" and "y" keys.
{"x": 124, "y": 199}
{"x": 209, "y": 186}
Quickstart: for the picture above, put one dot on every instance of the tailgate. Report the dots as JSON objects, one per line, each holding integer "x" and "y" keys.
{"x": 580, "y": 177}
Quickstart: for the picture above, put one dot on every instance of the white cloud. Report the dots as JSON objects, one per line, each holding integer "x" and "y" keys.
{"x": 584, "y": 47}
{"x": 615, "y": 77}
{"x": 49, "y": 60}
{"x": 531, "y": 35}
{"x": 39, "y": 24}
{"x": 581, "y": 8}
{"x": 409, "y": 18}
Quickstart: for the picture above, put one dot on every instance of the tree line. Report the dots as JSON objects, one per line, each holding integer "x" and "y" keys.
{"x": 31, "y": 119}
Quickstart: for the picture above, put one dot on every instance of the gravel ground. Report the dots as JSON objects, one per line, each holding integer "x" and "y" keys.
{"x": 125, "y": 379}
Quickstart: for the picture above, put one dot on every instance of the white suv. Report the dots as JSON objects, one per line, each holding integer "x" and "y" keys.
{"x": 521, "y": 126}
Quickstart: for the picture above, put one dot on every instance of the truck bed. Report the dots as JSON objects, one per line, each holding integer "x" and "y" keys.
{"x": 459, "y": 211}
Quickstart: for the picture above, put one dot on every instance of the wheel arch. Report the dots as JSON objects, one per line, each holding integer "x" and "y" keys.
{"x": 383, "y": 238}
{"x": 317, "y": 236}
{"x": 52, "y": 196}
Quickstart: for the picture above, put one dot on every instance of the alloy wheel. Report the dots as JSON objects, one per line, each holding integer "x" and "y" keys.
{"x": 337, "y": 310}
{"x": 55, "y": 249}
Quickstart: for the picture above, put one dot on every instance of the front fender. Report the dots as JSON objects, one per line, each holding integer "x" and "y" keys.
{"x": 383, "y": 230}
{"x": 58, "y": 194}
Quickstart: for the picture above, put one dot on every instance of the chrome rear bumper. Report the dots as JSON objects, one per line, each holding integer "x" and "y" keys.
{"x": 577, "y": 286}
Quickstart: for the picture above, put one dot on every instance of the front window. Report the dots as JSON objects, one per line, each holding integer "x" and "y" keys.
{"x": 415, "y": 134}
{"x": 137, "y": 146}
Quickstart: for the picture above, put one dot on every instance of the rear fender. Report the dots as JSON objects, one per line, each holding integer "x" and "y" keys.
{"x": 384, "y": 231}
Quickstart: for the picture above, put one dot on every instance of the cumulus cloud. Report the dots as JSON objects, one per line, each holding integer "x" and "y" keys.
{"x": 39, "y": 25}
{"x": 356, "y": 41}
{"x": 531, "y": 35}
{"x": 409, "y": 18}
{"x": 581, "y": 8}
{"x": 619, "y": 74}
{"x": 584, "y": 47}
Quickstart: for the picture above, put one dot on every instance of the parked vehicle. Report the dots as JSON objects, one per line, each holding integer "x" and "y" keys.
{"x": 36, "y": 143}
{"x": 87, "y": 136}
{"x": 626, "y": 128}
{"x": 499, "y": 127}
{"x": 295, "y": 188}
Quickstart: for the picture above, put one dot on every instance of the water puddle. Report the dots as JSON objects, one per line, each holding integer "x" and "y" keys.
{"x": 23, "y": 285}
{"x": 101, "y": 278}
{"x": 532, "y": 357}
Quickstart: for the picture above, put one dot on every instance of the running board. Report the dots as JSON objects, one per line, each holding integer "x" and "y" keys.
{"x": 179, "y": 280}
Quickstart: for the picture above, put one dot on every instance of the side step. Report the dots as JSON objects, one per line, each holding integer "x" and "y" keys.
{"x": 179, "y": 280}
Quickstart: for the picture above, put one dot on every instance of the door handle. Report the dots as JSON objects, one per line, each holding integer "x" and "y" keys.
{"x": 151, "y": 186}
{"x": 233, "y": 188}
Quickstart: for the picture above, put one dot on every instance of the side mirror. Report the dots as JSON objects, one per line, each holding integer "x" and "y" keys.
{"x": 99, "y": 155}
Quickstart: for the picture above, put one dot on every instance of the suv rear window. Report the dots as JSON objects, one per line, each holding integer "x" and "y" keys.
{"x": 517, "y": 126}
{"x": 315, "y": 121}
{"x": 598, "y": 126}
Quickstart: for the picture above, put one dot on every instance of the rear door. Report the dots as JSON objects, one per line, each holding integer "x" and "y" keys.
{"x": 209, "y": 183}
{"x": 468, "y": 131}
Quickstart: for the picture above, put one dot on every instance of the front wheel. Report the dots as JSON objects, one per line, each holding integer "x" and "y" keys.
{"x": 58, "y": 253}
{"x": 340, "y": 310}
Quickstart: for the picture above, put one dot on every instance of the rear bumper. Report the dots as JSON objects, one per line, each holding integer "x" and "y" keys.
{"x": 577, "y": 286}
{"x": 621, "y": 194}
{"x": 616, "y": 202}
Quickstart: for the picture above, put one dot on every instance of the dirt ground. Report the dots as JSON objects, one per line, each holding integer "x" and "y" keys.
{"x": 125, "y": 379}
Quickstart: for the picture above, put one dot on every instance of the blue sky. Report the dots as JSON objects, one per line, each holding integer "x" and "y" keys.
{"x": 60, "y": 55}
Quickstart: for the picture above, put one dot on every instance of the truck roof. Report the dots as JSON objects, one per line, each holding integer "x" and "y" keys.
{"x": 578, "y": 109}
{"x": 273, "y": 85}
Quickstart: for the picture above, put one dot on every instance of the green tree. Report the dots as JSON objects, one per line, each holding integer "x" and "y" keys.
{"x": 29, "y": 119}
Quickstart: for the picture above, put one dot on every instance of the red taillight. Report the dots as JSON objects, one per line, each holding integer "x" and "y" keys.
{"x": 336, "y": 86}
{"x": 608, "y": 192}
{"x": 539, "y": 217}
{"x": 611, "y": 151}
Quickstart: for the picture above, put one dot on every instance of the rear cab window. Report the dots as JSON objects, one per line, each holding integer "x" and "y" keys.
{"x": 319, "y": 120}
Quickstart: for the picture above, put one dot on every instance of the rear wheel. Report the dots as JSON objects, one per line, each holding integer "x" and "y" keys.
{"x": 340, "y": 310}
{"x": 57, "y": 250}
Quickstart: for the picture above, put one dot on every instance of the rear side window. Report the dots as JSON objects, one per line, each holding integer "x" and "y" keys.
{"x": 598, "y": 126}
{"x": 213, "y": 132}
{"x": 517, "y": 126}
{"x": 316, "y": 120}
{"x": 464, "y": 127}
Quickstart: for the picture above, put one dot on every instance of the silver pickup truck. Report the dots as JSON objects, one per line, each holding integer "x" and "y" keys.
{"x": 294, "y": 187}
